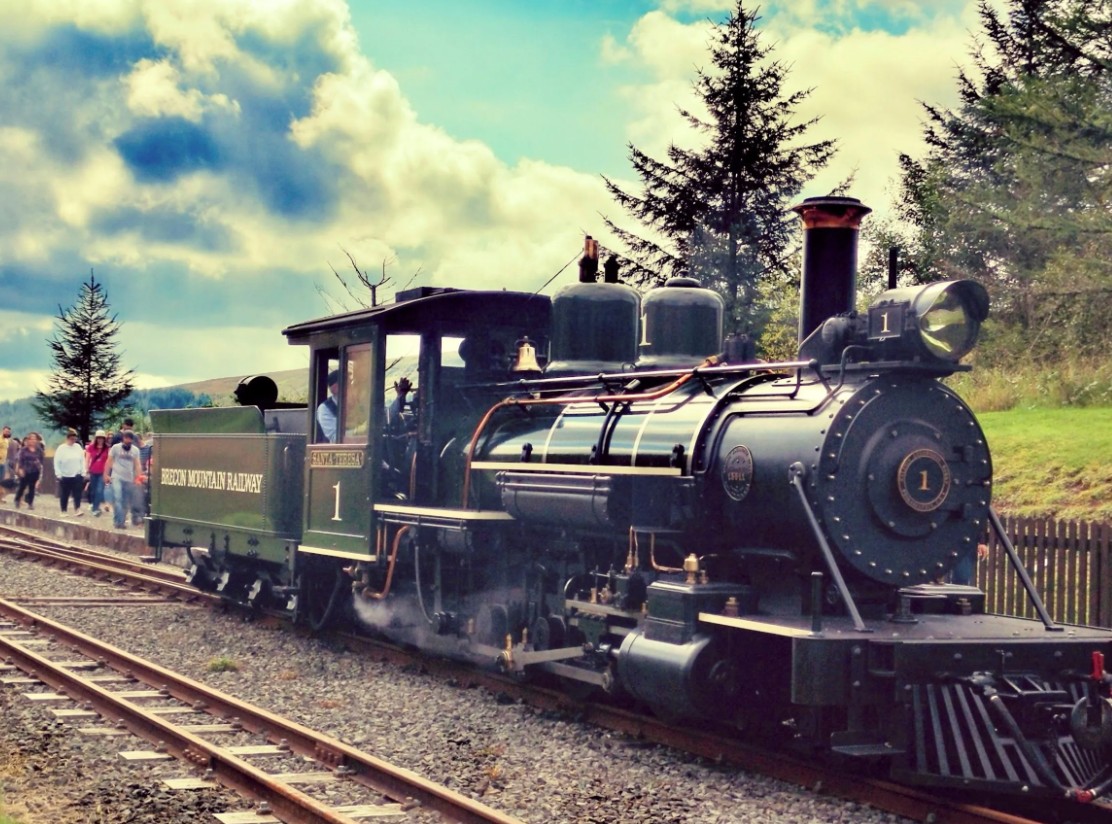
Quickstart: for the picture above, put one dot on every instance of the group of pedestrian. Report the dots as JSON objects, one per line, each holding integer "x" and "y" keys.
{"x": 22, "y": 465}
{"x": 108, "y": 470}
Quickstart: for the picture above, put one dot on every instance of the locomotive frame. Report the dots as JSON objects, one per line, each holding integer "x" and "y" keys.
{"x": 653, "y": 531}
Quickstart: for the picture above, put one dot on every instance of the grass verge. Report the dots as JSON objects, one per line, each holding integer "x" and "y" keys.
{"x": 1052, "y": 462}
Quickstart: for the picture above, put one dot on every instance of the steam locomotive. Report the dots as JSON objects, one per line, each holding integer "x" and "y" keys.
{"x": 651, "y": 514}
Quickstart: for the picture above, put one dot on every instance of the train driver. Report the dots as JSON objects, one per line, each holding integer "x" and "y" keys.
{"x": 328, "y": 413}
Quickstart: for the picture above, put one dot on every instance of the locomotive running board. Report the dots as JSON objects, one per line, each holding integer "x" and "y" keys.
{"x": 438, "y": 517}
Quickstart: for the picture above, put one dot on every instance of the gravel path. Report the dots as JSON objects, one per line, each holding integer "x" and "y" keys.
{"x": 531, "y": 764}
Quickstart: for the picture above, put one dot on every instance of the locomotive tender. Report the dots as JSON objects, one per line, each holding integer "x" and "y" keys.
{"x": 648, "y": 515}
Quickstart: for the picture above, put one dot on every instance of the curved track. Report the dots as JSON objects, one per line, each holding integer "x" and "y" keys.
{"x": 190, "y": 742}
{"x": 905, "y": 801}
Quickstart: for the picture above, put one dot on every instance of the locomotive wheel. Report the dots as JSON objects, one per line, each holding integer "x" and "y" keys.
{"x": 322, "y": 587}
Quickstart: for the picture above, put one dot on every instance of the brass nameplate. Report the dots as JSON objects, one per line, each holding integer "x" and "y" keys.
{"x": 336, "y": 459}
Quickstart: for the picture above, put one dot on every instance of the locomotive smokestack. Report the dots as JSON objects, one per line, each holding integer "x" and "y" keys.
{"x": 830, "y": 226}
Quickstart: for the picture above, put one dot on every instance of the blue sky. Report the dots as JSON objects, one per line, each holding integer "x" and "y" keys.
{"x": 210, "y": 160}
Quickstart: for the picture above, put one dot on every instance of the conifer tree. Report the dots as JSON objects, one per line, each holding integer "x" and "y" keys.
{"x": 720, "y": 211}
{"x": 1015, "y": 185}
{"x": 87, "y": 380}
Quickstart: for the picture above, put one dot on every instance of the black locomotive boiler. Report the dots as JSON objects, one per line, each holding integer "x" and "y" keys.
{"x": 648, "y": 515}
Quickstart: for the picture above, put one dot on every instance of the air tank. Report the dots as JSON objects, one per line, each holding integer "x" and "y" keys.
{"x": 682, "y": 325}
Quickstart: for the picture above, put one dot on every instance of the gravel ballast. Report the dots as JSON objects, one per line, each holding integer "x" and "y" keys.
{"x": 537, "y": 766}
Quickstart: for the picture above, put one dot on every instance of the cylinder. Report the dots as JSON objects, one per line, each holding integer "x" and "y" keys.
{"x": 672, "y": 677}
{"x": 830, "y": 228}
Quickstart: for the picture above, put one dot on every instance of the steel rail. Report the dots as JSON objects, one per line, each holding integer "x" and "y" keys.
{"x": 94, "y": 563}
{"x": 287, "y": 802}
{"x": 910, "y": 802}
{"x": 896, "y": 798}
{"x": 17, "y": 540}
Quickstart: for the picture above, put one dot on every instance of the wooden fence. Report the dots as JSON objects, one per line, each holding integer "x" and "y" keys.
{"x": 1070, "y": 563}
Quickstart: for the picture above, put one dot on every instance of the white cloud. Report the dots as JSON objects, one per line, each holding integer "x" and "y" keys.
{"x": 868, "y": 87}
{"x": 453, "y": 203}
{"x": 154, "y": 90}
{"x": 224, "y": 151}
{"x": 669, "y": 53}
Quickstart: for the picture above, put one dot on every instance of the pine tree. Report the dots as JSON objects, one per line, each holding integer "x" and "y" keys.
{"x": 87, "y": 380}
{"x": 1015, "y": 186}
{"x": 720, "y": 211}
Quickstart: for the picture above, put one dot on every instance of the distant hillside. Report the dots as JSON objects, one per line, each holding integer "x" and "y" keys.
{"x": 292, "y": 386}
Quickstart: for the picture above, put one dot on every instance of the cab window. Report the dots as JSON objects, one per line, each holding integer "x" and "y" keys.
{"x": 326, "y": 415}
{"x": 343, "y": 394}
{"x": 355, "y": 395}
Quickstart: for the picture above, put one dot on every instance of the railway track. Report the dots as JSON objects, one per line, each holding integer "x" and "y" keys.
{"x": 897, "y": 799}
{"x": 911, "y": 803}
{"x": 120, "y": 688}
{"x": 98, "y": 564}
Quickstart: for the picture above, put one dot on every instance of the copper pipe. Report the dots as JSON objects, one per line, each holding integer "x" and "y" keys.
{"x": 633, "y": 557}
{"x": 652, "y": 557}
{"x": 378, "y": 596}
{"x": 413, "y": 477}
{"x": 611, "y": 398}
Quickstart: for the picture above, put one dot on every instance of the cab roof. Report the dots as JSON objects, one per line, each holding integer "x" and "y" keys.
{"x": 447, "y": 310}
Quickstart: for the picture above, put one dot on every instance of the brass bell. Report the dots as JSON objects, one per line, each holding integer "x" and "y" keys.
{"x": 526, "y": 357}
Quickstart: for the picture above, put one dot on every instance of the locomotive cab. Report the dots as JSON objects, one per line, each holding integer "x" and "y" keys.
{"x": 377, "y": 458}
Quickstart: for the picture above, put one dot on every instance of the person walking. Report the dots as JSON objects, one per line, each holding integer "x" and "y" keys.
{"x": 14, "y": 445}
{"x": 96, "y": 457}
{"x": 69, "y": 469}
{"x": 120, "y": 473}
{"x": 127, "y": 426}
{"x": 7, "y": 476}
{"x": 136, "y": 507}
{"x": 29, "y": 469}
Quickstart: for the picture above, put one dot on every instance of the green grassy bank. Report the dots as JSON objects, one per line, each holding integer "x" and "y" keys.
{"x": 1055, "y": 461}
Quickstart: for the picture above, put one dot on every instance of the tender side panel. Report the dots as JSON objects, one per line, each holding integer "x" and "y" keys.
{"x": 239, "y": 492}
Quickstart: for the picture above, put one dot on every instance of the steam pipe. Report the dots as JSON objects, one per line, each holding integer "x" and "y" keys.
{"x": 379, "y": 596}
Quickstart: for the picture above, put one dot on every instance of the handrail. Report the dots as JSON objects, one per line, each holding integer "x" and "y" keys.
{"x": 626, "y": 398}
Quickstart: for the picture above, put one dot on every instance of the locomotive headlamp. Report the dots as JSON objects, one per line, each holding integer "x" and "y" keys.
{"x": 938, "y": 322}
